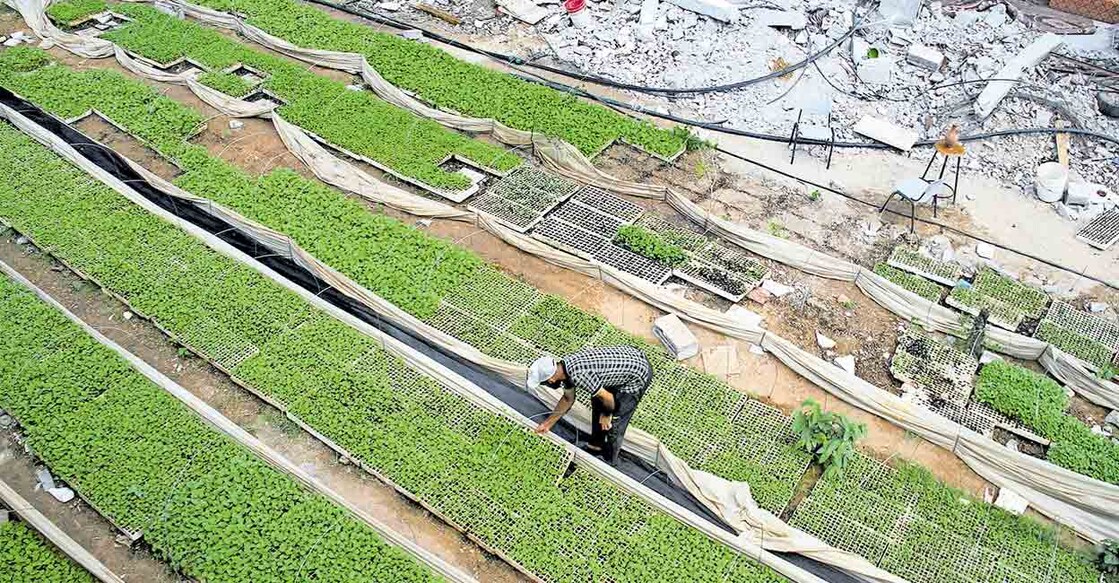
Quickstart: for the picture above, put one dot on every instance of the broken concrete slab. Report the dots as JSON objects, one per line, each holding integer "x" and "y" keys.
{"x": 925, "y": 57}
{"x": 779, "y": 18}
{"x": 45, "y": 478}
{"x": 1030, "y": 56}
{"x": 717, "y": 9}
{"x": 846, "y": 362}
{"x": 648, "y": 15}
{"x": 62, "y": 494}
{"x": 878, "y": 71}
{"x": 523, "y": 10}
{"x": 824, "y": 342}
{"x": 1108, "y": 102}
{"x": 777, "y": 289}
{"x": 1011, "y": 502}
{"x": 899, "y": 12}
{"x": 886, "y": 132}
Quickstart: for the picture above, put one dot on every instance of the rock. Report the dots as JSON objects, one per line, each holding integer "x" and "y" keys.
{"x": 926, "y": 57}
{"x": 11, "y": 42}
{"x": 1010, "y": 501}
{"x": 779, "y": 18}
{"x": 6, "y": 421}
{"x": 1098, "y": 430}
{"x": 846, "y": 362}
{"x": 1108, "y": 102}
{"x": 1098, "y": 307}
{"x": 343, "y": 460}
{"x": 127, "y": 315}
{"x": 21, "y": 240}
{"x": 390, "y": 6}
{"x": 1112, "y": 419}
{"x": 717, "y": 9}
{"x": 236, "y": 124}
{"x": 62, "y": 494}
{"x": 777, "y": 289}
{"x": 412, "y": 34}
{"x": 44, "y": 477}
{"x": 996, "y": 17}
{"x": 899, "y": 12}
{"x": 984, "y": 250}
{"x": 648, "y": 12}
{"x": 759, "y": 295}
{"x": 824, "y": 342}
{"x": 47, "y": 44}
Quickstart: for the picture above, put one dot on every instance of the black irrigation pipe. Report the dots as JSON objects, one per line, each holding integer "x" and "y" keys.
{"x": 715, "y": 127}
{"x": 851, "y": 197}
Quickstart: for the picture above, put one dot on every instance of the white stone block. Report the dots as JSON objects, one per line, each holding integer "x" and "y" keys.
{"x": 717, "y": 9}
{"x": 886, "y": 132}
{"x": 779, "y": 18}
{"x": 675, "y": 336}
{"x": 878, "y": 71}
{"x": 1011, "y": 501}
{"x": 924, "y": 56}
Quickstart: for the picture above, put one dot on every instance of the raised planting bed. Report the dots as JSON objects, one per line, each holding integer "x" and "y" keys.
{"x": 916, "y": 284}
{"x": 912, "y": 261}
{"x": 914, "y": 527}
{"x": 1040, "y": 404}
{"x": 449, "y": 83}
{"x": 938, "y": 369}
{"x": 205, "y": 504}
{"x": 27, "y": 557}
{"x": 356, "y": 122}
{"x": 523, "y": 197}
{"x": 607, "y": 203}
{"x": 483, "y": 473}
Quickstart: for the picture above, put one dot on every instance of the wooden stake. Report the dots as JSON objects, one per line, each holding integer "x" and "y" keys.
{"x": 436, "y": 12}
{"x": 1062, "y": 143}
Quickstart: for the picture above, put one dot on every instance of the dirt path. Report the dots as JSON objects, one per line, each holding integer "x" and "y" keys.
{"x": 266, "y": 423}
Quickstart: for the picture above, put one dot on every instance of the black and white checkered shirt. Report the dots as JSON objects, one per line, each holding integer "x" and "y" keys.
{"x": 618, "y": 369}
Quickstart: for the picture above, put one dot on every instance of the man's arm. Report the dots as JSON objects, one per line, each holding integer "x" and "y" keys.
{"x": 606, "y": 401}
{"x": 562, "y": 407}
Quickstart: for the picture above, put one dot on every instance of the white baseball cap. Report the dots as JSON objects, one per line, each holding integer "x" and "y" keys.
{"x": 539, "y": 371}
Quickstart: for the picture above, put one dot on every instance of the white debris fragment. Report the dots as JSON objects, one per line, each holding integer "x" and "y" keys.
{"x": 824, "y": 342}
{"x": 779, "y": 18}
{"x": 1011, "y": 502}
{"x": 1083, "y": 193}
{"x": 988, "y": 357}
{"x": 923, "y": 56}
{"x": 46, "y": 481}
{"x": 1097, "y": 307}
{"x": 755, "y": 349}
{"x": 1029, "y": 57}
{"x": 62, "y": 494}
{"x": 127, "y": 315}
{"x": 777, "y": 289}
{"x": 899, "y": 12}
{"x": 984, "y": 250}
{"x": 846, "y": 362}
{"x": 236, "y": 124}
{"x": 675, "y": 336}
{"x": 744, "y": 316}
{"x": 717, "y": 9}
{"x": 886, "y": 132}
{"x": 878, "y": 71}
{"x": 412, "y": 34}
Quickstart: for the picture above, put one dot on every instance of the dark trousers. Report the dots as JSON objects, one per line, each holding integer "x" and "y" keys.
{"x": 611, "y": 441}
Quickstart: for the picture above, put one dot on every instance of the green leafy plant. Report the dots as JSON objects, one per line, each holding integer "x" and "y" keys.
{"x": 828, "y": 436}
{"x": 1107, "y": 559}
{"x": 775, "y": 228}
{"x": 72, "y": 11}
{"x": 227, "y": 83}
{"x": 25, "y": 557}
{"x": 21, "y": 59}
{"x": 815, "y": 195}
{"x": 914, "y": 283}
{"x": 645, "y": 242}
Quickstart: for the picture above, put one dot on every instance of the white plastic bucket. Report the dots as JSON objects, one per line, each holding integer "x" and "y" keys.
{"x": 1051, "y": 181}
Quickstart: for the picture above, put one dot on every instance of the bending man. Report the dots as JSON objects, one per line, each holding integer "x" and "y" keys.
{"x": 615, "y": 377}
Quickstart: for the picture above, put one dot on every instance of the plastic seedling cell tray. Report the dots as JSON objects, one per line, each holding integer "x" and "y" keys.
{"x": 941, "y": 370}
{"x": 1085, "y": 324}
{"x": 603, "y": 201}
{"x": 630, "y": 262}
{"x": 262, "y": 96}
{"x": 719, "y": 281}
{"x": 568, "y": 237}
{"x": 908, "y": 259}
{"x": 972, "y": 302}
{"x": 514, "y": 215}
{"x": 681, "y": 236}
{"x": 588, "y": 219}
{"x": 1028, "y": 300}
{"x": 744, "y": 267}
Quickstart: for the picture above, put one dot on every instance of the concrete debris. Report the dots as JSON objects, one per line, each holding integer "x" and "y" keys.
{"x": 1108, "y": 102}
{"x": 777, "y": 289}
{"x": 879, "y": 71}
{"x": 127, "y": 315}
{"x": 46, "y": 44}
{"x": 46, "y": 481}
{"x": 1099, "y": 430}
{"x": 824, "y": 342}
{"x": 6, "y": 421}
{"x": 21, "y": 240}
{"x": 1013, "y": 69}
{"x": 1012, "y": 444}
{"x": 62, "y": 494}
{"x": 389, "y": 6}
{"x": 1011, "y": 502}
{"x": 779, "y": 18}
{"x": 846, "y": 362}
{"x": 236, "y": 124}
{"x": 524, "y": 10}
{"x": 745, "y": 316}
{"x": 923, "y": 56}
{"x": 648, "y": 13}
{"x": 886, "y": 132}
{"x": 1112, "y": 419}
{"x": 985, "y": 250}
{"x": 759, "y": 295}
{"x": 675, "y": 336}
{"x": 412, "y": 34}
{"x": 717, "y": 9}
{"x": 1083, "y": 193}
{"x": 1097, "y": 307}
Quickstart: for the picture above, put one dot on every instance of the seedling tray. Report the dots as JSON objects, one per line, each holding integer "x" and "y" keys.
{"x": 1028, "y": 300}
{"x": 588, "y": 219}
{"x": 741, "y": 264}
{"x": 908, "y": 259}
{"x": 1085, "y": 324}
{"x": 570, "y": 238}
{"x": 716, "y": 280}
{"x": 513, "y": 215}
{"x": 1102, "y": 232}
{"x": 686, "y": 239}
{"x": 603, "y": 201}
{"x": 971, "y": 302}
{"x": 630, "y": 262}
{"x": 941, "y": 370}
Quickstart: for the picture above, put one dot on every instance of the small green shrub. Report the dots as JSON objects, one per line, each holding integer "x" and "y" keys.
{"x": 645, "y": 242}
{"x": 829, "y": 437}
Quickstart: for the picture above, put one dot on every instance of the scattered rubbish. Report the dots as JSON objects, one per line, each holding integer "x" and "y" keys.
{"x": 62, "y": 494}
{"x": 824, "y": 342}
{"x": 1011, "y": 502}
{"x": 755, "y": 349}
{"x": 577, "y": 11}
{"x": 886, "y": 132}
{"x": 355, "y": 87}
{"x": 846, "y": 362}
{"x": 876, "y": 71}
{"x": 675, "y": 336}
{"x": 1112, "y": 419}
{"x": 899, "y": 12}
{"x": 717, "y": 9}
{"x": 46, "y": 481}
{"x": 438, "y": 13}
{"x": 777, "y": 289}
{"x": 6, "y": 421}
{"x": 1013, "y": 69}
{"x": 1050, "y": 182}
{"x": 524, "y": 10}
{"x": 985, "y": 250}
{"x": 21, "y": 240}
{"x": 236, "y": 124}
{"x": 1083, "y": 193}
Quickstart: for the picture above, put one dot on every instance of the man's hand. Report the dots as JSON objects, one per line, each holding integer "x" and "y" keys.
{"x": 606, "y": 421}
{"x": 543, "y": 428}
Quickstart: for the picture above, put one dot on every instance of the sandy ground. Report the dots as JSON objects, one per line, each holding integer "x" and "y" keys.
{"x": 266, "y": 423}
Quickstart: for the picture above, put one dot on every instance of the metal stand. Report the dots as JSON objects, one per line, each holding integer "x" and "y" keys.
{"x": 940, "y": 177}
{"x": 796, "y": 135}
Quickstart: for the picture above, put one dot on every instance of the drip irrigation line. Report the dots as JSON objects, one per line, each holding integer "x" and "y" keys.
{"x": 715, "y": 127}
{"x": 939, "y": 224}
{"x": 596, "y": 79}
